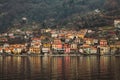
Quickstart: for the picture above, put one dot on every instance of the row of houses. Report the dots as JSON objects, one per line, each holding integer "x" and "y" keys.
{"x": 64, "y": 41}
{"x": 60, "y": 41}
{"x": 12, "y": 49}
{"x": 85, "y": 49}
{"x": 89, "y": 46}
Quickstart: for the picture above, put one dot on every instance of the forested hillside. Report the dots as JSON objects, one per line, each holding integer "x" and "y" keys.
{"x": 52, "y": 13}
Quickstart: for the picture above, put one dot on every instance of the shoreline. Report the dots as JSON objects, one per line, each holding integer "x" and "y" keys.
{"x": 60, "y": 55}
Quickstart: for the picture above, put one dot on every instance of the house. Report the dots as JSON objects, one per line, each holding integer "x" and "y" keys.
{"x": 67, "y": 40}
{"x": 6, "y": 45}
{"x": 1, "y": 50}
{"x": 58, "y": 46}
{"x": 67, "y": 50}
{"x": 36, "y": 42}
{"x": 57, "y": 41}
{"x": 73, "y": 46}
{"x": 43, "y": 30}
{"x": 35, "y": 50}
{"x": 77, "y": 40}
{"x": 88, "y": 41}
{"x": 103, "y": 42}
{"x": 7, "y": 50}
{"x": 3, "y": 39}
{"x": 104, "y": 50}
{"x": 17, "y": 48}
{"x": 61, "y": 35}
{"x": 46, "y": 45}
{"x": 95, "y": 41}
{"x": 114, "y": 47}
{"x": 54, "y": 35}
{"x": 81, "y": 50}
{"x": 81, "y": 35}
{"x": 117, "y": 23}
{"x": 48, "y": 30}
{"x": 65, "y": 45}
{"x": 45, "y": 50}
{"x": 86, "y": 49}
{"x": 70, "y": 36}
{"x": 93, "y": 50}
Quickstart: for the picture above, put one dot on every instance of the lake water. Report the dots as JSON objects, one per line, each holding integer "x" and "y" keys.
{"x": 60, "y": 68}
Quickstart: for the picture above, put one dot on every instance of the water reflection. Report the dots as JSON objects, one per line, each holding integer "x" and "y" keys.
{"x": 60, "y": 68}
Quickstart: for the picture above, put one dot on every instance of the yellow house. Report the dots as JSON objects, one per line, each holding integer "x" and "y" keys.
{"x": 46, "y": 45}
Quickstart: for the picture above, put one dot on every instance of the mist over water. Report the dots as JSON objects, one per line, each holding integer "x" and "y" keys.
{"x": 60, "y": 68}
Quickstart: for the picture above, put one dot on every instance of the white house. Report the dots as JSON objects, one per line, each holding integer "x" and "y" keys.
{"x": 117, "y": 23}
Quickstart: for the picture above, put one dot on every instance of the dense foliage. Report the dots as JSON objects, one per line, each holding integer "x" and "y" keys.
{"x": 52, "y": 13}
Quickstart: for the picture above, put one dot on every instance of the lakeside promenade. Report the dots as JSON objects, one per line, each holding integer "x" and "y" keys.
{"x": 60, "y": 55}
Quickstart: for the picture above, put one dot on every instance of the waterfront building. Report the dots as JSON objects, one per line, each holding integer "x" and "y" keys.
{"x": 17, "y": 48}
{"x": 35, "y": 50}
{"x": 45, "y": 50}
{"x": 7, "y": 50}
{"x": 57, "y": 45}
{"x": 93, "y": 50}
{"x": 73, "y": 46}
{"x": 104, "y": 50}
{"x": 86, "y": 49}
{"x": 46, "y": 47}
{"x": 67, "y": 50}
{"x": 1, "y": 50}
{"x": 35, "y": 46}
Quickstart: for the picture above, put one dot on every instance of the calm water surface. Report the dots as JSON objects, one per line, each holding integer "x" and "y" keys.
{"x": 60, "y": 68}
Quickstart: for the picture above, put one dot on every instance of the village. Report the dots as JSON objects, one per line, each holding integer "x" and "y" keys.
{"x": 96, "y": 41}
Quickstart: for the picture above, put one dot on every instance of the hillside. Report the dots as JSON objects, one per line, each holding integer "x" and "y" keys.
{"x": 52, "y": 13}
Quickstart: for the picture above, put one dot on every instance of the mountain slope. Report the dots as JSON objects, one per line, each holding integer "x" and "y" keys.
{"x": 51, "y": 12}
